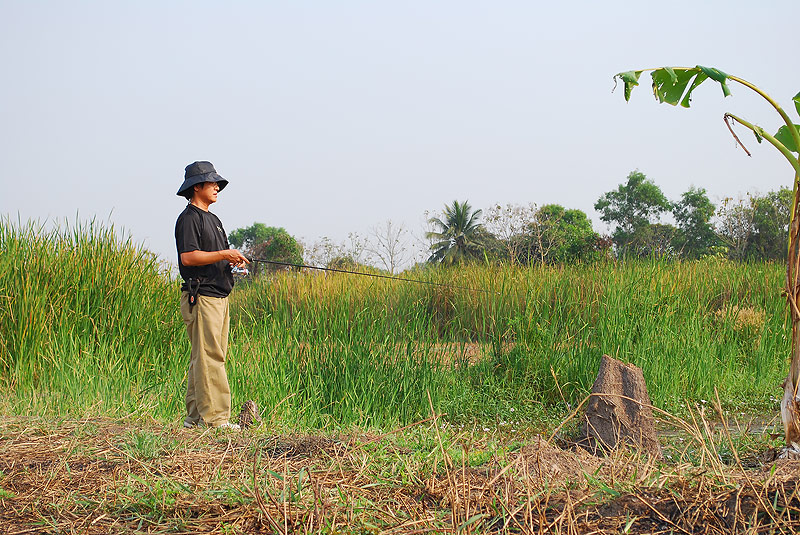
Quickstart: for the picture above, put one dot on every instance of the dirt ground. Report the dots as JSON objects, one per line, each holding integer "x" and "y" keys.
{"x": 101, "y": 476}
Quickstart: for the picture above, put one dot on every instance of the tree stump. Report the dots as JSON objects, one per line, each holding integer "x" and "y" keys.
{"x": 619, "y": 411}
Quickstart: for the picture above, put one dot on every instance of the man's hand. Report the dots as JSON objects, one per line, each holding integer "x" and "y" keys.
{"x": 204, "y": 258}
{"x": 235, "y": 258}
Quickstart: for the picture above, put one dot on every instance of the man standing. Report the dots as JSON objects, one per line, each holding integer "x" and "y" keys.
{"x": 205, "y": 260}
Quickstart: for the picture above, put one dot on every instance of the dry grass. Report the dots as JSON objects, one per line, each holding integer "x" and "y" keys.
{"x": 742, "y": 318}
{"x": 102, "y": 476}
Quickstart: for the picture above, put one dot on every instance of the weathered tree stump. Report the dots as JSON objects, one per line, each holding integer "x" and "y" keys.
{"x": 619, "y": 411}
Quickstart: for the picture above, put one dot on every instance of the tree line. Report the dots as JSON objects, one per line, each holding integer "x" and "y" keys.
{"x": 753, "y": 227}
{"x": 749, "y": 228}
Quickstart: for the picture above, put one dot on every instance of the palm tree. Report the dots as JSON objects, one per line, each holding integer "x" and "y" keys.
{"x": 456, "y": 236}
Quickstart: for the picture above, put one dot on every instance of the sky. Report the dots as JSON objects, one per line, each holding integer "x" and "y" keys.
{"x": 332, "y": 117}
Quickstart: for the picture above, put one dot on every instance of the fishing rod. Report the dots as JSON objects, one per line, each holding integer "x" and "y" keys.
{"x": 376, "y": 275}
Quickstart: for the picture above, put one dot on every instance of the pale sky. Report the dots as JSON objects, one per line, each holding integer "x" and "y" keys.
{"x": 330, "y": 117}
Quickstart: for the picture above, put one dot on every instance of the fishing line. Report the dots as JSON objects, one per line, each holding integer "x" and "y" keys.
{"x": 376, "y": 275}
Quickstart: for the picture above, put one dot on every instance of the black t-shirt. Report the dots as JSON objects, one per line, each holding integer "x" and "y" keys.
{"x": 198, "y": 230}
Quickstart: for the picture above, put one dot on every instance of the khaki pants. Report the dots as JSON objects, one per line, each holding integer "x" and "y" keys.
{"x": 208, "y": 396}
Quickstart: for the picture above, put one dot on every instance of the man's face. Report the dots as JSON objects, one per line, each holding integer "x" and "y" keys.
{"x": 207, "y": 192}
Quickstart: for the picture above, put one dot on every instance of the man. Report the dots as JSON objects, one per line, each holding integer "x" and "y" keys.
{"x": 205, "y": 260}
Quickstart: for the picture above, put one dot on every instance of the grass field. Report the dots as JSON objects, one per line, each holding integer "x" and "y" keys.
{"x": 412, "y": 382}
{"x": 91, "y": 323}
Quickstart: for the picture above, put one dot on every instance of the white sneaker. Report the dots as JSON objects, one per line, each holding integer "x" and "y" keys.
{"x": 228, "y": 427}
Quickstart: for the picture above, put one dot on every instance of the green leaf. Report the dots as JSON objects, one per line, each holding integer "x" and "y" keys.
{"x": 718, "y": 76}
{"x": 758, "y": 136}
{"x": 605, "y": 488}
{"x": 630, "y": 79}
{"x": 699, "y": 79}
{"x": 471, "y": 521}
{"x": 669, "y": 84}
{"x": 784, "y": 135}
{"x": 301, "y": 479}
{"x": 672, "y": 76}
{"x": 796, "y": 99}
{"x": 274, "y": 474}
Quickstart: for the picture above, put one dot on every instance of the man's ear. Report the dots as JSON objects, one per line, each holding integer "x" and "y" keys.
{"x": 191, "y": 193}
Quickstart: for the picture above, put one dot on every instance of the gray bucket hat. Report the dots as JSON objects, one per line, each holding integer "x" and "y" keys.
{"x": 199, "y": 172}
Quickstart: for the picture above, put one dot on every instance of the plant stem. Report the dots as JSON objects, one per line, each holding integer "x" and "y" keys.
{"x": 792, "y": 129}
{"x": 777, "y": 144}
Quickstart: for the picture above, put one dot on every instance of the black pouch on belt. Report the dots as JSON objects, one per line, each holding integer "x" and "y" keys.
{"x": 193, "y": 285}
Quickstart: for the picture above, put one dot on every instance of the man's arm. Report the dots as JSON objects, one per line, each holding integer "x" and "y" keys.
{"x": 204, "y": 258}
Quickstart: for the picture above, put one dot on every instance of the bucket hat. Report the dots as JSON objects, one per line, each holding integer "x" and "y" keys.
{"x": 199, "y": 172}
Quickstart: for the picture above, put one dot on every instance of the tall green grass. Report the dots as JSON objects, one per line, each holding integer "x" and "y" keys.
{"x": 89, "y": 323}
{"x": 86, "y": 318}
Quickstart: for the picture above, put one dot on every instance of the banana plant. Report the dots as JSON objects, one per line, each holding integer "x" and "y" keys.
{"x": 674, "y": 85}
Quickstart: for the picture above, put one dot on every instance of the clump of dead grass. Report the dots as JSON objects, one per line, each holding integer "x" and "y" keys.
{"x": 112, "y": 478}
{"x": 741, "y": 318}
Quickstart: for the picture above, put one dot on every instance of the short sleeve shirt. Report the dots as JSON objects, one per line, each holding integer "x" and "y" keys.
{"x": 198, "y": 230}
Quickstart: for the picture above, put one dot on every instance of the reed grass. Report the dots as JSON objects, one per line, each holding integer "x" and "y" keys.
{"x": 86, "y": 317}
{"x": 89, "y": 323}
